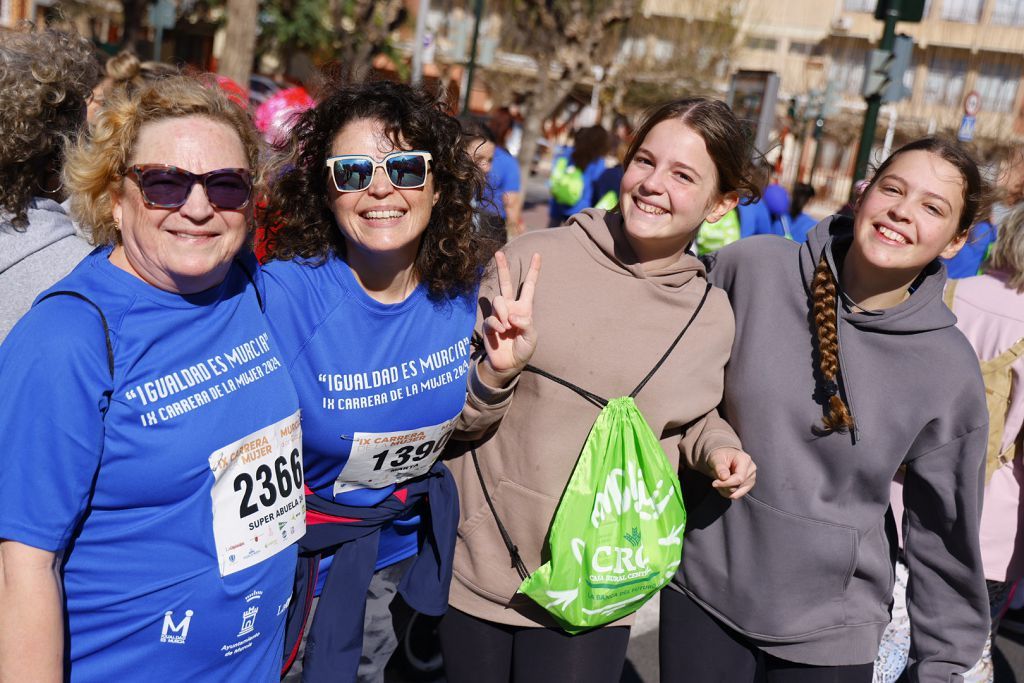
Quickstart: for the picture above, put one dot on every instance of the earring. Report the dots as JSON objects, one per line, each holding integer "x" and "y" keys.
{"x": 60, "y": 186}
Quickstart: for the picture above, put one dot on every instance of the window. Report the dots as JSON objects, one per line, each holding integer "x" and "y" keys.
{"x": 663, "y": 50}
{"x": 6, "y": 12}
{"x": 1010, "y": 12}
{"x": 859, "y": 5}
{"x": 997, "y": 85}
{"x": 944, "y": 84}
{"x": 847, "y": 69}
{"x": 805, "y": 49}
{"x": 968, "y": 11}
{"x": 759, "y": 43}
{"x": 632, "y": 48}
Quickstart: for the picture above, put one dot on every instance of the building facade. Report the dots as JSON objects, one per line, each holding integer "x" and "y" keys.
{"x": 960, "y": 46}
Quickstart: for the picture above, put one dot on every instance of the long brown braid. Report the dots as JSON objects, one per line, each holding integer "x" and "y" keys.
{"x": 824, "y": 296}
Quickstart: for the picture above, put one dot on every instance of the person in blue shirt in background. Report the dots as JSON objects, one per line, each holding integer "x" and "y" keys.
{"x": 968, "y": 262}
{"x": 788, "y": 218}
{"x": 754, "y": 218}
{"x": 575, "y": 172}
{"x": 502, "y": 196}
{"x": 972, "y": 257}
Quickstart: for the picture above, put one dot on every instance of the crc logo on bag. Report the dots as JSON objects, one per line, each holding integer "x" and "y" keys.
{"x": 615, "y": 540}
{"x": 618, "y": 563}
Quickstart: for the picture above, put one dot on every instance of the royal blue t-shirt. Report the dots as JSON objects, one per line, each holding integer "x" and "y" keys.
{"x": 385, "y": 381}
{"x": 797, "y": 227}
{"x": 968, "y": 260}
{"x": 119, "y": 474}
{"x": 754, "y": 219}
{"x": 503, "y": 177}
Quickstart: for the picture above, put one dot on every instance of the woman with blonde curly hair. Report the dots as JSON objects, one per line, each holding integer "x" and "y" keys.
{"x": 45, "y": 80}
{"x": 152, "y": 471}
{"x": 846, "y": 367}
{"x": 372, "y": 293}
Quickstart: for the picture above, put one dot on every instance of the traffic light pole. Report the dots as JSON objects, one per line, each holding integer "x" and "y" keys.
{"x": 867, "y": 137}
{"x": 478, "y": 11}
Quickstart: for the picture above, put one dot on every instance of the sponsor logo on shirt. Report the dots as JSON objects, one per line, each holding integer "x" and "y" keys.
{"x": 175, "y": 633}
{"x": 248, "y": 621}
{"x": 248, "y": 632}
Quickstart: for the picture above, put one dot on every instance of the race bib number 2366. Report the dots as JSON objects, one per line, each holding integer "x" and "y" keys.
{"x": 259, "y": 507}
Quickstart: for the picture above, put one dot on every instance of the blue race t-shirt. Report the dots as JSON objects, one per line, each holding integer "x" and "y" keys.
{"x": 381, "y": 382}
{"x": 795, "y": 229}
{"x": 968, "y": 260}
{"x": 754, "y": 219}
{"x": 169, "y": 488}
{"x": 503, "y": 177}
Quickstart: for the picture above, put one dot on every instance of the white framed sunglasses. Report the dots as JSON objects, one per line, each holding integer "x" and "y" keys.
{"x": 354, "y": 172}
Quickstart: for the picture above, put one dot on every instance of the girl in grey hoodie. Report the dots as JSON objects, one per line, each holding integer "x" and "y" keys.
{"x": 846, "y": 366}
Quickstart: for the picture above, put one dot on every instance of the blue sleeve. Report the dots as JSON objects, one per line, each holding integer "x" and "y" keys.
{"x": 56, "y": 380}
{"x": 290, "y": 312}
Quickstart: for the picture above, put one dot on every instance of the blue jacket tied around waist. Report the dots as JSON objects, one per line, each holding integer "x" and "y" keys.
{"x": 351, "y": 533}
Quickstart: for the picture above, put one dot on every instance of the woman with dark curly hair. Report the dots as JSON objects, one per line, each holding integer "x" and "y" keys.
{"x": 45, "y": 80}
{"x": 371, "y": 292}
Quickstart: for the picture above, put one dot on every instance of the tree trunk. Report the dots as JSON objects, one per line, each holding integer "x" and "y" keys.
{"x": 543, "y": 104}
{"x": 240, "y": 41}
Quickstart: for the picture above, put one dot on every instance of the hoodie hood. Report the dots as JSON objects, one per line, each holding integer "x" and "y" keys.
{"x": 923, "y": 310}
{"x": 48, "y": 223}
{"x": 602, "y": 236}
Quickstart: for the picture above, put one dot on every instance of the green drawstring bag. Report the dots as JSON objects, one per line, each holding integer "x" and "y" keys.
{"x": 617, "y": 536}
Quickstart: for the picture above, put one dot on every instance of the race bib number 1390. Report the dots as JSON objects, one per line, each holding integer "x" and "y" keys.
{"x": 259, "y": 507}
{"x": 379, "y": 459}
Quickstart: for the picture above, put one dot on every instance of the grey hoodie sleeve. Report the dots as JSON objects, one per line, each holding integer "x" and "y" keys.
{"x": 946, "y": 599}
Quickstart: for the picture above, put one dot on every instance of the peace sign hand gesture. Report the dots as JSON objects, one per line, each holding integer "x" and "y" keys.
{"x": 509, "y": 335}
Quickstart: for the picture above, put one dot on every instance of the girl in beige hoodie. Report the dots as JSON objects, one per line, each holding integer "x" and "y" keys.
{"x": 617, "y": 289}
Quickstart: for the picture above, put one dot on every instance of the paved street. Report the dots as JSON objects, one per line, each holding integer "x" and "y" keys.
{"x": 642, "y": 656}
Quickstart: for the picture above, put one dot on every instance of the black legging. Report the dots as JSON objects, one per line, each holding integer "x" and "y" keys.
{"x": 696, "y": 648}
{"x": 478, "y": 651}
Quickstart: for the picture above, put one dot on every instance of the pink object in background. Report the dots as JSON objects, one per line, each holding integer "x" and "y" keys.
{"x": 276, "y": 116}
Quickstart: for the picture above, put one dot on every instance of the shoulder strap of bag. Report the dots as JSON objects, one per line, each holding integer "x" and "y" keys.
{"x": 103, "y": 320}
{"x": 513, "y": 550}
{"x": 602, "y": 402}
{"x": 1004, "y": 359}
{"x": 679, "y": 337}
{"x": 950, "y": 293}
